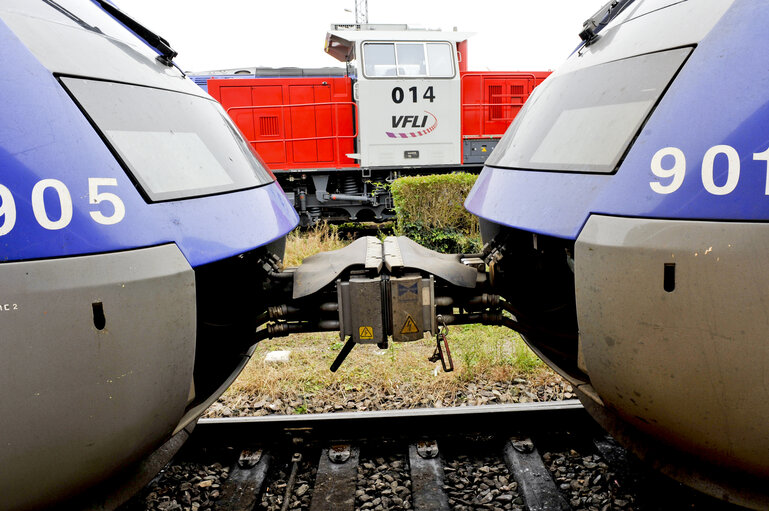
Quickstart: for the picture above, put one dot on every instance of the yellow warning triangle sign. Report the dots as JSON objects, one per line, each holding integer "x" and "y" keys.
{"x": 410, "y": 327}
{"x": 366, "y": 332}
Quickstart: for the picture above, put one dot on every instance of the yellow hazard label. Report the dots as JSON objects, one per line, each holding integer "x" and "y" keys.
{"x": 410, "y": 327}
{"x": 366, "y": 332}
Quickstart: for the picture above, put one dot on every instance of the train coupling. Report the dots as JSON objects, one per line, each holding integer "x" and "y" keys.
{"x": 374, "y": 291}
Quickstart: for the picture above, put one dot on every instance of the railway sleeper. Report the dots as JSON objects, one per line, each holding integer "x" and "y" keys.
{"x": 568, "y": 465}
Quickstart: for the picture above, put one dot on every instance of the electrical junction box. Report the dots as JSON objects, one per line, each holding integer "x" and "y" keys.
{"x": 370, "y": 309}
{"x": 361, "y": 314}
{"x": 412, "y": 307}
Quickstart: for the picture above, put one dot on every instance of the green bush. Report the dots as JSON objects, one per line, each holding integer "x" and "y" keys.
{"x": 430, "y": 211}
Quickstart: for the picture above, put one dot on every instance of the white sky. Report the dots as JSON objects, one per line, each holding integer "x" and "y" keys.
{"x": 510, "y": 35}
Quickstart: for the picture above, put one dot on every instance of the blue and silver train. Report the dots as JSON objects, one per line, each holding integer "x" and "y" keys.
{"x": 628, "y": 210}
{"x": 135, "y": 229}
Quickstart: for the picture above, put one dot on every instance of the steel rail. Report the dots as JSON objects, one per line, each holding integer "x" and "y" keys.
{"x": 434, "y": 422}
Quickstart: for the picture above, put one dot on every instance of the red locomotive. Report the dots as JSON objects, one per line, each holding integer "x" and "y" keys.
{"x": 404, "y": 104}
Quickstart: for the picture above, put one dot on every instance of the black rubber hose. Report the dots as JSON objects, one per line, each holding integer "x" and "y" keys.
{"x": 261, "y": 335}
{"x": 346, "y": 349}
{"x": 281, "y": 275}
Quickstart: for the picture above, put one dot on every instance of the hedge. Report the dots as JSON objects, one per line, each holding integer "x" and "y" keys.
{"x": 430, "y": 211}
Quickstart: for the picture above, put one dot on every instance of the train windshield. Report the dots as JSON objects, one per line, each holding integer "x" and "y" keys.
{"x": 174, "y": 145}
{"x": 584, "y": 121}
{"x": 407, "y": 59}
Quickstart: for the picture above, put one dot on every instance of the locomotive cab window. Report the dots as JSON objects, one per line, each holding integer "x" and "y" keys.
{"x": 379, "y": 59}
{"x": 174, "y": 145}
{"x": 408, "y": 59}
{"x": 441, "y": 60}
{"x": 411, "y": 59}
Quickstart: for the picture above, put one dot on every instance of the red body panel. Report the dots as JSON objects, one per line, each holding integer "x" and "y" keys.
{"x": 310, "y": 122}
{"x": 293, "y": 123}
{"x": 492, "y": 99}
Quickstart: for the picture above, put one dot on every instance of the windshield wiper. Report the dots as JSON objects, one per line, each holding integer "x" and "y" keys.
{"x": 600, "y": 19}
{"x": 167, "y": 53}
{"x": 71, "y": 16}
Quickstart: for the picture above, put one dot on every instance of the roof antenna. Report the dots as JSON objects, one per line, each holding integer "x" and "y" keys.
{"x": 361, "y": 12}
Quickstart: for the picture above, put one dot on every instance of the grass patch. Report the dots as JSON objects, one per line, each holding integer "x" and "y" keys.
{"x": 480, "y": 353}
{"x": 312, "y": 355}
{"x": 322, "y": 237}
{"x": 491, "y": 352}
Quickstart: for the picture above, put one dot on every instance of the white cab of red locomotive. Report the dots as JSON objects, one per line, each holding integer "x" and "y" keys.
{"x": 407, "y": 91}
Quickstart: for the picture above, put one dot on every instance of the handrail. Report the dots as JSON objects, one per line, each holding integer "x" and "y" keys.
{"x": 334, "y": 124}
{"x": 498, "y": 75}
{"x": 491, "y": 104}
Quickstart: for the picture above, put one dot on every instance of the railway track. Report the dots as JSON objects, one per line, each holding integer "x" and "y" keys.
{"x": 535, "y": 456}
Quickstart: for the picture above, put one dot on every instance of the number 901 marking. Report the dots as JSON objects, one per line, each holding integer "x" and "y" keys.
{"x": 677, "y": 170}
{"x": 95, "y": 197}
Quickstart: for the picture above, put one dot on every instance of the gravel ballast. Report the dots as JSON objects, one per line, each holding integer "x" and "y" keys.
{"x": 183, "y": 486}
{"x": 341, "y": 398}
{"x": 586, "y": 482}
{"x": 383, "y": 484}
{"x": 480, "y": 483}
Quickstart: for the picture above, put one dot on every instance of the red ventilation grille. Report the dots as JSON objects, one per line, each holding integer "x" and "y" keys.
{"x": 517, "y": 90}
{"x": 495, "y": 98}
{"x": 269, "y": 126}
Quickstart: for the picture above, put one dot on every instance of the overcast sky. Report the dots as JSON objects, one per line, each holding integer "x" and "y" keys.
{"x": 509, "y": 34}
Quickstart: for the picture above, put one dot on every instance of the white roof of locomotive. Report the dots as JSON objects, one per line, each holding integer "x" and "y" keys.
{"x": 341, "y": 39}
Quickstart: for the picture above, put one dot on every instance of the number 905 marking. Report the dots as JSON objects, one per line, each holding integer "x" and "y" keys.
{"x": 677, "y": 170}
{"x": 95, "y": 197}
